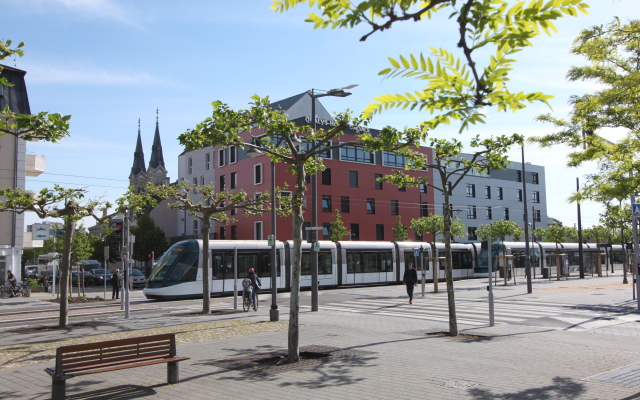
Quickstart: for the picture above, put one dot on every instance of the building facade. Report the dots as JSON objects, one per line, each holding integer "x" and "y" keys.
{"x": 369, "y": 208}
{"x": 15, "y": 166}
{"x": 481, "y": 198}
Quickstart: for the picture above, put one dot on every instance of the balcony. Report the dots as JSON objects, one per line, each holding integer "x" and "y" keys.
{"x": 35, "y": 164}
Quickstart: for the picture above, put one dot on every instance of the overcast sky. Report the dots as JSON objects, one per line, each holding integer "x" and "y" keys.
{"x": 109, "y": 62}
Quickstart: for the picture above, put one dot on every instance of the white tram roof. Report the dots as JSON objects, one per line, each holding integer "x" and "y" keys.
{"x": 240, "y": 244}
{"x": 324, "y": 244}
{"x": 356, "y": 245}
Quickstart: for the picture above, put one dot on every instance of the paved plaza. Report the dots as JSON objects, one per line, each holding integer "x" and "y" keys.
{"x": 397, "y": 351}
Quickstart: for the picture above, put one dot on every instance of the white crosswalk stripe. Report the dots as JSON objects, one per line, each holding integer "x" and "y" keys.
{"x": 474, "y": 312}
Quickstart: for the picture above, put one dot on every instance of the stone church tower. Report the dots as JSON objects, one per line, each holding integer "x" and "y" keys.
{"x": 157, "y": 172}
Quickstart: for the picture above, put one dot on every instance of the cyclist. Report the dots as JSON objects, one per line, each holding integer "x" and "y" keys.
{"x": 255, "y": 284}
{"x": 11, "y": 280}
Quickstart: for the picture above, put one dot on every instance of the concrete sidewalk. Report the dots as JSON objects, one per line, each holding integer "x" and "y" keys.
{"x": 376, "y": 357}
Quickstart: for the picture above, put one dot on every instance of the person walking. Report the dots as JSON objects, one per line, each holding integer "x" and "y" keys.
{"x": 255, "y": 283}
{"x": 45, "y": 278}
{"x": 115, "y": 282}
{"x": 410, "y": 280}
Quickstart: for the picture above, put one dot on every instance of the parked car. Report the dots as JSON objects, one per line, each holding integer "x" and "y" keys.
{"x": 101, "y": 275}
{"x": 31, "y": 271}
{"x": 77, "y": 277}
{"x": 90, "y": 265}
{"x": 137, "y": 278}
{"x": 90, "y": 279}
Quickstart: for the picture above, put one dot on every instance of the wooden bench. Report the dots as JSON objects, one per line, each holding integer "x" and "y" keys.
{"x": 93, "y": 358}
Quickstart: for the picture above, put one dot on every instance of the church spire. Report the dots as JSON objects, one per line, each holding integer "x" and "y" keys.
{"x": 157, "y": 159}
{"x": 138, "y": 157}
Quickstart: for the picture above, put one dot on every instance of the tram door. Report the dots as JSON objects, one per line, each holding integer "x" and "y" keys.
{"x": 355, "y": 269}
{"x": 222, "y": 271}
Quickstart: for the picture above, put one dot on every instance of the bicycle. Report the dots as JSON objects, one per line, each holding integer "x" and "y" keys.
{"x": 247, "y": 290}
{"x": 8, "y": 291}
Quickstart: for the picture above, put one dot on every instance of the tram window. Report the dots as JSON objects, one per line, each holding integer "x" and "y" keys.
{"x": 353, "y": 263}
{"x": 324, "y": 263}
{"x": 358, "y": 262}
{"x": 217, "y": 262}
{"x": 178, "y": 257}
{"x": 186, "y": 269}
{"x": 371, "y": 262}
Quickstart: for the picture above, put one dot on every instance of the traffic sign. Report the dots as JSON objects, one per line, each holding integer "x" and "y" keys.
{"x": 316, "y": 246}
{"x": 416, "y": 252}
{"x": 636, "y": 209}
{"x": 271, "y": 240}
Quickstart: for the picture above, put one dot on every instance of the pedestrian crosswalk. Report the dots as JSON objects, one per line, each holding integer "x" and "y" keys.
{"x": 475, "y": 312}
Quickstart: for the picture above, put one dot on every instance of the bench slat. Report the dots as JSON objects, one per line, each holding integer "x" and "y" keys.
{"x": 115, "y": 343}
{"x": 130, "y": 353}
{"x": 111, "y": 361}
{"x": 115, "y": 368}
{"x": 115, "y": 349}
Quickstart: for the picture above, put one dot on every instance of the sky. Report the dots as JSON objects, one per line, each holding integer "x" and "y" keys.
{"x": 109, "y": 63}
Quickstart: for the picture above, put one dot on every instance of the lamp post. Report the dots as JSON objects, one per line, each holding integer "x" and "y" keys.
{"x": 527, "y": 259}
{"x": 314, "y": 194}
{"x": 274, "y": 313}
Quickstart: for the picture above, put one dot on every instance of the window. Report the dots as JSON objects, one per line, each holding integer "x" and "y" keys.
{"x": 472, "y": 233}
{"x": 423, "y": 188}
{"x": 536, "y": 197}
{"x": 234, "y": 211}
{"x": 379, "y": 232}
{"x": 257, "y": 174}
{"x": 353, "y": 179}
{"x": 326, "y": 203}
{"x": 506, "y": 214}
{"x": 207, "y": 161}
{"x": 536, "y": 215}
{"x": 326, "y": 230}
{"x": 190, "y": 165}
{"x": 518, "y": 176}
{"x": 487, "y": 192}
{"x": 305, "y": 231}
{"x": 223, "y": 233}
{"x": 202, "y": 180}
{"x": 344, "y": 205}
{"x": 221, "y": 158}
{"x": 208, "y": 203}
{"x": 534, "y": 178}
{"x": 356, "y": 154}
{"x": 306, "y": 145}
{"x": 355, "y": 232}
{"x": 424, "y": 209}
{"x": 195, "y": 184}
{"x": 326, "y": 176}
{"x": 377, "y": 182}
{"x": 471, "y": 190}
{"x": 519, "y": 194}
{"x": 257, "y": 230}
{"x": 471, "y": 212}
{"x": 500, "y": 195}
{"x": 489, "y": 213}
{"x": 234, "y": 180}
{"x": 233, "y": 154}
{"x": 402, "y": 189}
{"x": 392, "y": 159}
{"x": 234, "y": 232}
{"x": 195, "y": 227}
{"x": 223, "y": 183}
{"x": 371, "y": 206}
{"x": 395, "y": 207}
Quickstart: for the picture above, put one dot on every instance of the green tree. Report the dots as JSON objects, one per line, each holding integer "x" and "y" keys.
{"x": 400, "y": 231}
{"x": 489, "y": 33}
{"x": 500, "y": 230}
{"x": 149, "y": 238}
{"x": 227, "y": 127}
{"x": 596, "y": 233}
{"x": 206, "y": 205}
{"x": 42, "y": 126}
{"x": 612, "y": 52}
{"x": 337, "y": 230}
{"x": 434, "y": 225}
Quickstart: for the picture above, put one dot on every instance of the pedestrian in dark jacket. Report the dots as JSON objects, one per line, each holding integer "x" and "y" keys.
{"x": 410, "y": 280}
{"x": 255, "y": 283}
{"x": 115, "y": 282}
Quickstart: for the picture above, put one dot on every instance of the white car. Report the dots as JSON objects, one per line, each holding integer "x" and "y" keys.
{"x": 137, "y": 278}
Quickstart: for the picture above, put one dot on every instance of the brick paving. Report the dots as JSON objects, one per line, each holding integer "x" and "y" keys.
{"x": 385, "y": 357}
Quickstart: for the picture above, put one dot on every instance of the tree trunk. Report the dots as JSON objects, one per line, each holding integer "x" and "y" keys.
{"x": 69, "y": 225}
{"x": 206, "y": 279}
{"x": 453, "y": 321}
{"x": 293, "y": 353}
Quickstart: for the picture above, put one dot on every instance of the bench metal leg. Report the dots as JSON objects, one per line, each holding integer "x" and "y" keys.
{"x": 58, "y": 389}
{"x": 173, "y": 375}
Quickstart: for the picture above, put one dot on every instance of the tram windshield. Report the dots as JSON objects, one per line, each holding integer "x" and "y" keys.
{"x": 178, "y": 264}
{"x": 483, "y": 266}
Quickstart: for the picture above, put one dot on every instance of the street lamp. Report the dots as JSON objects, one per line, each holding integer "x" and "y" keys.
{"x": 274, "y": 313}
{"x": 314, "y": 197}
